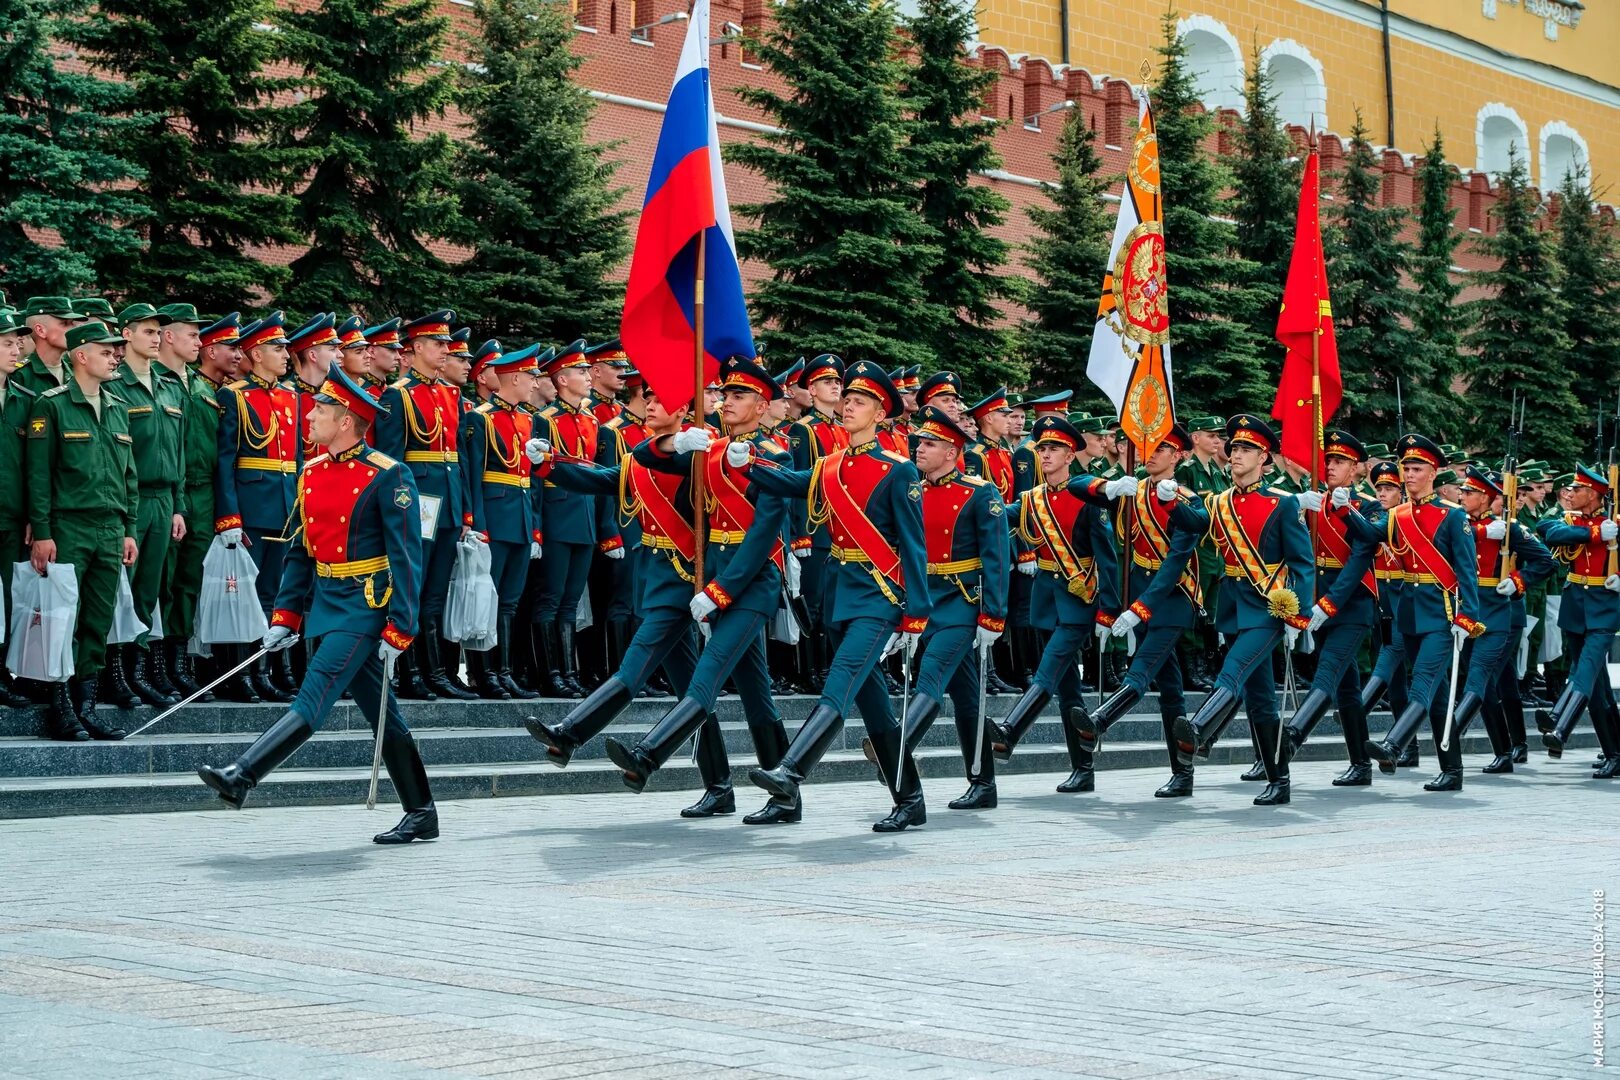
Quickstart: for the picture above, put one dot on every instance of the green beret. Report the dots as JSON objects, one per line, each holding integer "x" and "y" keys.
{"x": 1207, "y": 423}
{"x": 60, "y": 306}
{"x": 137, "y": 313}
{"x": 180, "y": 313}
{"x": 93, "y": 332}
{"x": 93, "y": 307}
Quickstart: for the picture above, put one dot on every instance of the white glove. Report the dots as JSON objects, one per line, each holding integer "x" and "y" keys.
{"x": 537, "y": 450}
{"x": 1027, "y": 568}
{"x": 1506, "y": 587}
{"x": 1125, "y": 485}
{"x": 231, "y": 536}
{"x": 910, "y": 642}
{"x": 891, "y": 645}
{"x": 1495, "y": 530}
{"x": 1127, "y": 621}
{"x": 1310, "y": 500}
{"x": 278, "y": 637}
{"x": 1319, "y": 618}
{"x": 692, "y": 439}
{"x": 476, "y": 538}
{"x": 534, "y": 549}
{"x": 801, "y": 553}
{"x": 1101, "y": 632}
{"x": 1612, "y": 583}
{"x": 984, "y": 637}
{"x": 1168, "y": 490}
{"x": 1342, "y": 497}
{"x": 388, "y": 653}
{"x": 738, "y": 454}
{"x": 702, "y": 607}
{"x": 1290, "y": 637}
{"x": 1608, "y": 530}
{"x": 615, "y": 554}
{"x": 1459, "y": 634}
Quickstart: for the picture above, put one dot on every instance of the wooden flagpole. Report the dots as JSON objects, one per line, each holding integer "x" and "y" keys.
{"x": 700, "y": 459}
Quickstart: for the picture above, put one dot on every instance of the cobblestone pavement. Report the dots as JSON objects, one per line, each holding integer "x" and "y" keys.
{"x": 1382, "y": 933}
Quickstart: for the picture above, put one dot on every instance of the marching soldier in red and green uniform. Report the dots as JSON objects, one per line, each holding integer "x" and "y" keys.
{"x": 1027, "y": 641}
{"x": 871, "y": 501}
{"x": 216, "y": 356}
{"x": 989, "y": 458}
{"x": 383, "y": 348}
{"x": 314, "y": 349}
{"x": 256, "y": 473}
{"x": 610, "y": 365}
{"x": 1203, "y": 474}
{"x": 353, "y": 578}
{"x": 156, "y": 402}
{"x": 1075, "y": 594}
{"x": 1438, "y": 610}
{"x": 1265, "y": 549}
{"x": 83, "y": 494}
{"x": 812, "y": 437}
{"x": 417, "y": 424}
{"x": 620, "y": 434}
{"x": 1588, "y": 616}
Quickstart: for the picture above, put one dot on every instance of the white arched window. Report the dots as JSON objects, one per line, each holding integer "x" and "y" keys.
{"x": 1298, "y": 82}
{"x": 1563, "y": 152}
{"x": 1498, "y": 130}
{"x": 1215, "y": 61}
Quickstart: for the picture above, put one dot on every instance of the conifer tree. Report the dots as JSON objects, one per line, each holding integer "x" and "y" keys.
{"x": 1219, "y": 363}
{"x": 1068, "y": 255}
{"x": 1266, "y": 169}
{"x": 536, "y": 196}
{"x": 1435, "y": 314}
{"x": 1367, "y": 265}
{"x": 1518, "y": 339}
{"x": 62, "y": 135}
{"x": 950, "y": 142}
{"x": 380, "y": 195}
{"x": 847, "y": 249}
{"x": 219, "y": 167}
{"x": 1590, "y": 290}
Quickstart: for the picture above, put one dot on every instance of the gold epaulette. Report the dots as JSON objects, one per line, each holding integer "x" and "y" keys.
{"x": 380, "y": 459}
{"x": 402, "y": 383}
{"x": 484, "y": 409}
{"x": 237, "y": 385}
{"x": 976, "y": 481}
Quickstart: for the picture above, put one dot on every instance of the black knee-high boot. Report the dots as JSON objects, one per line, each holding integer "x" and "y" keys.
{"x": 1019, "y": 719}
{"x": 981, "y": 792}
{"x": 715, "y": 769}
{"x": 811, "y": 743}
{"x": 409, "y": 777}
{"x": 234, "y": 781}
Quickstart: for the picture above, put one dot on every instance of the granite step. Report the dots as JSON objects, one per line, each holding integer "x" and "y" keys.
{"x": 295, "y": 785}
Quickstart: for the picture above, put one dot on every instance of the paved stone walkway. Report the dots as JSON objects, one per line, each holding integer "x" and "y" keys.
{"x": 1354, "y": 934}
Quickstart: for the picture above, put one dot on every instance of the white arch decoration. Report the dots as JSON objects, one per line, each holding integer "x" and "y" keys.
{"x": 1299, "y": 82}
{"x": 1215, "y": 59}
{"x": 1496, "y": 128}
{"x": 1563, "y": 149}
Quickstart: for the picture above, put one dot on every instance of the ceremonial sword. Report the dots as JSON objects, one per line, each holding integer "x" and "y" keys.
{"x": 172, "y": 709}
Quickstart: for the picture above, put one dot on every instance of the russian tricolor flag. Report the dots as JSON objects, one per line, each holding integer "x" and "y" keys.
{"x": 686, "y": 198}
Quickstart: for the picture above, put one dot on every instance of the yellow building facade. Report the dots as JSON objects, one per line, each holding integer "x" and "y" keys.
{"x": 1541, "y": 76}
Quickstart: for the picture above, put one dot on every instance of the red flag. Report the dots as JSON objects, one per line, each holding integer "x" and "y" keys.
{"x": 1307, "y": 315}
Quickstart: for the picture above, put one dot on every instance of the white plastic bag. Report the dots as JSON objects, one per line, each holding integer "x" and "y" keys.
{"x": 472, "y": 607}
{"x": 228, "y": 607}
{"x": 583, "y": 616}
{"x": 126, "y": 625}
{"x": 155, "y": 623}
{"x": 784, "y": 625}
{"x": 1552, "y": 640}
{"x": 44, "y": 611}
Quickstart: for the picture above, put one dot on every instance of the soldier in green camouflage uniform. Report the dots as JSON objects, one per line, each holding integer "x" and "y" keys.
{"x": 82, "y": 498}
{"x": 181, "y": 348}
{"x": 1204, "y": 475}
{"x": 156, "y": 403}
{"x": 16, "y": 403}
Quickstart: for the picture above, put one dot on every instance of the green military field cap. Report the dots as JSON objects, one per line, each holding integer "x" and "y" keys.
{"x": 93, "y": 307}
{"x": 94, "y": 332}
{"x": 1207, "y": 423}
{"x": 1092, "y": 425}
{"x": 1379, "y": 450}
{"x": 60, "y": 306}
{"x": 1564, "y": 479}
{"x": 180, "y": 313}
{"x": 11, "y": 322}
{"x": 1446, "y": 476}
{"x": 1532, "y": 473}
{"x": 136, "y": 313}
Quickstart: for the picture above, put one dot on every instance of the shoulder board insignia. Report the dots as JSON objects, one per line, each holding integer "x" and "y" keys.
{"x": 485, "y": 409}
{"x": 55, "y": 390}
{"x": 400, "y": 384}
{"x": 380, "y": 459}
{"x": 237, "y": 385}
{"x": 976, "y": 481}
{"x": 892, "y": 456}
{"x": 23, "y": 390}
{"x": 316, "y": 460}
{"x": 1449, "y": 504}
